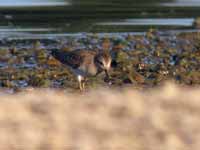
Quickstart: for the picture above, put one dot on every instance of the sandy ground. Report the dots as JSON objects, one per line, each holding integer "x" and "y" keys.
{"x": 166, "y": 118}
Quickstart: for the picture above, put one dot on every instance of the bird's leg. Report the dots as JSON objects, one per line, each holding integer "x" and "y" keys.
{"x": 80, "y": 85}
{"x": 81, "y": 82}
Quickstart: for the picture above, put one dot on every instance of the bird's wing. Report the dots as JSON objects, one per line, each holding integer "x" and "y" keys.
{"x": 72, "y": 59}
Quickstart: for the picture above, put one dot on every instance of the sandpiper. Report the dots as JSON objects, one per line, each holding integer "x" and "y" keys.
{"x": 84, "y": 63}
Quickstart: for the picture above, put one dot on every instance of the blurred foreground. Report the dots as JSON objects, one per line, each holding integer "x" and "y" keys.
{"x": 159, "y": 119}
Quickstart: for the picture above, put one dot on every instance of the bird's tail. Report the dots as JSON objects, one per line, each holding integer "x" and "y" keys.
{"x": 59, "y": 55}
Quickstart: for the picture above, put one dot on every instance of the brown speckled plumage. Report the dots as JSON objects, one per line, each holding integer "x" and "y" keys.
{"x": 84, "y": 63}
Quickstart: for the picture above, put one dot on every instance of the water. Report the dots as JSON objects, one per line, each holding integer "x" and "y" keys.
{"x": 69, "y": 16}
{"x": 186, "y": 22}
{"x": 32, "y": 3}
{"x": 183, "y": 3}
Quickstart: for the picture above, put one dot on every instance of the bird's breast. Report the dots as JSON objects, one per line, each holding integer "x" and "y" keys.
{"x": 92, "y": 70}
{"x": 89, "y": 69}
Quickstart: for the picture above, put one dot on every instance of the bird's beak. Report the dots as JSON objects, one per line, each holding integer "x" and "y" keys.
{"x": 107, "y": 74}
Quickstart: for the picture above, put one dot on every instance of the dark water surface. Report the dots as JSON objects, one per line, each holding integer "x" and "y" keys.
{"x": 63, "y": 16}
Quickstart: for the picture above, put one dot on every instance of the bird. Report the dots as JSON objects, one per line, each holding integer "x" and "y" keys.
{"x": 84, "y": 63}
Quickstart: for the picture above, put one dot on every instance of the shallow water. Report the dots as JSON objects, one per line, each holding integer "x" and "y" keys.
{"x": 61, "y": 16}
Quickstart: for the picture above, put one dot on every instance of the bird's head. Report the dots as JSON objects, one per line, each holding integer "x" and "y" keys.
{"x": 103, "y": 61}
